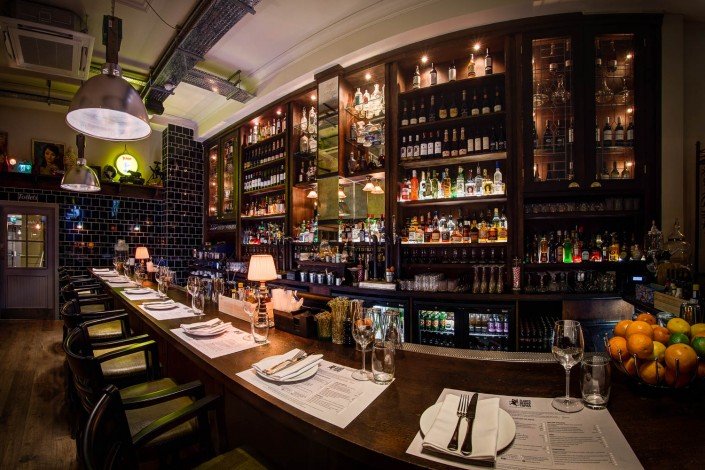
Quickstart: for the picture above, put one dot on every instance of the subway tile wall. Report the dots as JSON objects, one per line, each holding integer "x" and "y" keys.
{"x": 169, "y": 227}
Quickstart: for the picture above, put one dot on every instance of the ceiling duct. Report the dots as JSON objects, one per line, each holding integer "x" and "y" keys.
{"x": 227, "y": 88}
{"x": 206, "y": 25}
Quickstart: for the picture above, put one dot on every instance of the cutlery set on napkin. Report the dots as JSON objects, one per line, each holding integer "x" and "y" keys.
{"x": 207, "y": 328}
{"x": 466, "y": 428}
{"x": 290, "y": 367}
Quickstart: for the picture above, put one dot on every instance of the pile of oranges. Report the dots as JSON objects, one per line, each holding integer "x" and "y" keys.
{"x": 659, "y": 355}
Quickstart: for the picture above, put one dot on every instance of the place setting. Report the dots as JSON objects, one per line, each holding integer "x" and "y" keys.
{"x": 294, "y": 366}
{"x": 166, "y": 309}
{"x": 140, "y": 293}
{"x": 214, "y": 338}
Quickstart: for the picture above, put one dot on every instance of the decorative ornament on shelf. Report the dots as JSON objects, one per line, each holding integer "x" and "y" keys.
{"x": 158, "y": 175}
{"x": 109, "y": 173}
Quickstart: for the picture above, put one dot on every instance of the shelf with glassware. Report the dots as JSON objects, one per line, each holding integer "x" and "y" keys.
{"x": 222, "y": 158}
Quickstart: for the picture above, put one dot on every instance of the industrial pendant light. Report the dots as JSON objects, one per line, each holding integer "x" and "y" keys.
{"x": 81, "y": 178}
{"x": 106, "y": 106}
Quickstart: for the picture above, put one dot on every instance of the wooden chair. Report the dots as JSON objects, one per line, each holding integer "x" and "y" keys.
{"x": 110, "y": 443}
{"x": 90, "y": 298}
{"x": 72, "y": 316}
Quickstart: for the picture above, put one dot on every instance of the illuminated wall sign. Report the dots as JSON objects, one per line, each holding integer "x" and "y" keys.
{"x": 125, "y": 163}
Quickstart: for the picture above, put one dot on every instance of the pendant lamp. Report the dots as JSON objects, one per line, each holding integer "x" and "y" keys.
{"x": 106, "y": 106}
{"x": 81, "y": 178}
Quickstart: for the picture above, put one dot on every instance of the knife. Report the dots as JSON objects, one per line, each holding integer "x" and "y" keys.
{"x": 283, "y": 365}
{"x": 466, "y": 448}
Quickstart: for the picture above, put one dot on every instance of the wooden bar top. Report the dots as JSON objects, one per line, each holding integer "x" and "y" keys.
{"x": 664, "y": 431}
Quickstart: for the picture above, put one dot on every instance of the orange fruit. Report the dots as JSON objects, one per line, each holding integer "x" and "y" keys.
{"x": 659, "y": 351}
{"x": 630, "y": 367}
{"x": 640, "y": 327}
{"x": 620, "y": 329}
{"x": 652, "y": 372}
{"x": 678, "y": 382}
{"x": 646, "y": 317}
{"x": 618, "y": 348}
{"x": 701, "y": 370}
{"x": 661, "y": 334}
{"x": 641, "y": 345}
{"x": 682, "y": 355}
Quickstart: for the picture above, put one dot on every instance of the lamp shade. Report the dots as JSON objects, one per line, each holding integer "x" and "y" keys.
{"x": 141, "y": 253}
{"x": 81, "y": 178}
{"x": 107, "y": 107}
{"x": 261, "y": 268}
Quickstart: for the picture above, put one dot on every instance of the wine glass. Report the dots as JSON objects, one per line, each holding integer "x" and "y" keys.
{"x": 568, "y": 347}
{"x": 192, "y": 284}
{"x": 363, "y": 332}
{"x": 198, "y": 299}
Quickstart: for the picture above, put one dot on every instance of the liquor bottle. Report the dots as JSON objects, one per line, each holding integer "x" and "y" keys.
{"x": 462, "y": 143}
{"x": 475, "y": 109}
{"x": 442, "y": 110}
{"x": 501, "y": 138}
{"x": 474, "y": 230}
{"x": 451, "y": 72}
{"x": 409, "y": 148}
{"x": 559, "y": 135}
{"x": 482, "y": 229}
{"x": 485, "y": 140}
{"x": 619, "y": 134}
{"x": 535, "y": 136}
{"x": 478, "y": 180}
{"x": 488, "y": 62}
{"x": 497, "y": 184}
{"x": 598, "y": 140}
{"x": 469, "y": 184}
{"x": 477, "y": 141}
{"x": 312, "y": 144}
{"x": 417, "y": 148}
{"x": 548, "y": 136}
{"x": 433, "y": 74}
{"x": 432, "y": 109}
{"x": 445, "y": 148}
{"x": 471, "y": 66}
{"x": 447, "y": 185}
{"x": 413, "y": 119}
{"x": 607, "y": 133}
{"x": 425, "y": 147}
{"x": 453, "y": 110}
{"x": 436, "y": 232}
{"x": 567, "y": 249}
{"x": 570, "y": 132}
{"x": 503, "y": 232}
{"x": 630, "y": 134}
{"x": 460, "y": 183}
{"x": 406, "y": 190}
{"x": 470, "y": 142}
{"x": 493, "y": 139}
{"x": 402, "y": 149}
{"x": 405, "y": 116}
{"x": 485, "y": 102}
{"x": 304, "y": 120}
{"x": 303, "y": 143}
{"x": 497, "y": 100}
{"x": 454, "y": 144}
{"x": 437, "y": 146}
{"x": 559, "y": 247}
{"x": 493, "y": 235}
{"x": 486, "y": 183}
{"x": 313, "y": 119}
{"x": 626, "y": 174}
{"x": 416, "y": 83}
{"x": 435, "y": 186}
{"x": 414, "y": 186}
{"x": 614, "y": 174}
{"x": 422, "y": 186}
{"x": 422, "y": 113}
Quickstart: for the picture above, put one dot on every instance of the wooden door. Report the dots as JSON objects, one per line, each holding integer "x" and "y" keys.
{"x": 28, "y": 270}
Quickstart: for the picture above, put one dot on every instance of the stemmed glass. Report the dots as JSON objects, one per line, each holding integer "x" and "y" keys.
{"x": 198, "y": 299}
{"x": 363, "y": 332}
{"x": 192, "y": 284}
{"x": 568, "y": 347}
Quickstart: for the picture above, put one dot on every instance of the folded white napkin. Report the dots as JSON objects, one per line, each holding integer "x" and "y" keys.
{"x": 290, "y": 372}
{"x": 484, "y": 432}
{"x": 203, "y": 325}
{"x": 101, "y": 270}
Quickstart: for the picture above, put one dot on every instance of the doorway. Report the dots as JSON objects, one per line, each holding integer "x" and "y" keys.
{"x": 28, "y": 270}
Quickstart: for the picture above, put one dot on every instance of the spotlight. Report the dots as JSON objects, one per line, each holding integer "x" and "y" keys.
{"x": 424, "y": 59}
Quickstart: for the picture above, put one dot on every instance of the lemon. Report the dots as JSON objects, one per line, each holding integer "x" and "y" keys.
{"x": 697, "y": 328}
{"x": 659, "y": 351}
{"x": 678, "y": 325}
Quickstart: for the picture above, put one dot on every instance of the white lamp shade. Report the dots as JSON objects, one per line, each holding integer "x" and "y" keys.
{"x": 81, "y": 178}
{"x": 261, "y": 268}
{"x": 107, "y": 107}
{"x": 141, "y": 253}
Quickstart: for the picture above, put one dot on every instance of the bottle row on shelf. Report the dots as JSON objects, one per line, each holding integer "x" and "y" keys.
{"x": 447, "y": 187}
{"x": 438, "y": 111}
{"x": 614, "y": 135}
{"x": 536, "y": 333}
{"x": 491, "y": 228}
{"x": 368, "y": 105}
{"x": 259, "y": 132}
{"x": 581, "y": 281}
{"x": 489, "y": 323}
{"x": 450, "y": 255}
{"x": 265, "y": 178}
{"x": 263, "y": 206}
{"x": 454, "y": 143}
{"x": 263, "y": 234}
{"x": 437, "y": 321}
{"x": 452, "y": 71}
{"x": 273, "y": 150}
{"x": 574, "y": 246}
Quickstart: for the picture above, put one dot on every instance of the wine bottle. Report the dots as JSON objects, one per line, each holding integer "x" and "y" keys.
{"x": 451, "y": 72}
{"x": 405, "y": 116}
{"x": 497, "y": 100}
{"x": 422, "y": 113}
{"x": 437, "y": 145}
{"x": 416, "y": 83}
{"x": 464, "y": 105}
{"x": 485, "y": 102}
{"x": 432, "y": 110}
{"x": 462, "y": 143}
{"x": 454, "y": 144}
{"x": 445, "y": 147}
{"x": 453, "y": 110}
{"x": 488, "y": 62}
{"x": 475, "y": 110}
{"x": 471, "y": 66}
{"x": 433, "y": 75}
{"x": 442, "y": 110}
{"x": 413, "y": 119}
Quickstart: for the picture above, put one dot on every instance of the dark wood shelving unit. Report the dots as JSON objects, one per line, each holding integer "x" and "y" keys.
{"x": 436, "y": 162}
{"x": 264, "y": 142}
{"x": 459, "y": 121}
{"x": 265, "y": 165}
{"x": 479, "y": 81}
{"x": 270, "y": 189}
{"x": 468, "y": 200}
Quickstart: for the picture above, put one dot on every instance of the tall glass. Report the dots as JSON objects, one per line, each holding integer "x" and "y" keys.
{"x": 568, "y": 348}
{"x": 363, "y": 332}
{"x": 198, "y": 300}
{"x": 260, "y": 321}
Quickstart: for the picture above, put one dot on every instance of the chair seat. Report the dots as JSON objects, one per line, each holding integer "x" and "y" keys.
{"x": 124, "y": 366}
{"x": 140, "y": 418}
{"x": 104, "y": 331}
{"x": 92, "y": 308}
{"x": 236, "y": 459}
{"x": 146, "y": 387}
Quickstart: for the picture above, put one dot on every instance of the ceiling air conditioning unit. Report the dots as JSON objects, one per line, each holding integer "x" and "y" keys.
{"x": 46, "y": 49}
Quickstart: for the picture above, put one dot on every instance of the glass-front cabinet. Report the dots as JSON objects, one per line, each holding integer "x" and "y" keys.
{"x": 213, "y": 182}
{"x": 221, "y": 174}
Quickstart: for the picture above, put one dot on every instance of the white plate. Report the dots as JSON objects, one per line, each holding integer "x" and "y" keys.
{"x": 138, "y": 291}
{"x": 205, "y": 332}
{"x": 160, "y": 306}
{"x": 505, "y": 435}
{"x": 109, "y": 275}
{"x": 297, "y": 378}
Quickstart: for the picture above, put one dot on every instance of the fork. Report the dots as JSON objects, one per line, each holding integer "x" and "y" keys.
{"x": 284, "y": 364}
{"x": 462, "y": 412}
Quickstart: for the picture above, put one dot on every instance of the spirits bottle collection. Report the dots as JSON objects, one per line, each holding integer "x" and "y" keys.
{"x": 456, "y": 142}
{"x": 470, "y": 72}
{"x": 308, "y": 126}
{"x": 368, "y": 105}
{"x": 262, "y": 179}
{"x": 263, "y": 234}
{"x": 446, "y": 185}
{"x": 574, "y": 246}
{"x": 259, "y": 132}
{"x": 269, "y": 152}
{"x": 365, "y": 231}
{"x": 268, "y": 205}
{"x": 451, "y": 106}
{"x": 489, "y": 227}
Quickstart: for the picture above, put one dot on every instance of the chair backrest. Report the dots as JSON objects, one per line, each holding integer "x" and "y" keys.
{"x": 68, "y": 292}
{"x": 107, "y": 442}
{"x": 87, "y": 373}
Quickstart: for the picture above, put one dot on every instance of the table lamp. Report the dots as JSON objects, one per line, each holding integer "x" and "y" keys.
{"x": 262, "y": 270}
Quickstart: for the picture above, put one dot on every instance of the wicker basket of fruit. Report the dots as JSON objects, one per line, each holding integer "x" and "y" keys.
{"x": 662, "y": 357}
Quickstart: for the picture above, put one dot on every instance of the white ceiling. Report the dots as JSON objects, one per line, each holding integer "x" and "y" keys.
{"x": 280, "y": 47}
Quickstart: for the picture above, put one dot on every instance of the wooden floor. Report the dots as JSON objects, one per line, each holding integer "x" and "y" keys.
{"x": 34, "y": 429}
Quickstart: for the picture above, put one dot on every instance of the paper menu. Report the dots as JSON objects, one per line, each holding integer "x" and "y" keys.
{"x": 547, "y": 438}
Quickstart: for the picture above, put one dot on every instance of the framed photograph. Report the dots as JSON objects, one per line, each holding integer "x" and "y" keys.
{"x": 48, "y": 157}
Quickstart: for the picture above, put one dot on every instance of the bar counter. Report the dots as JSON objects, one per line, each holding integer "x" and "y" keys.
{"x": 663, "y": 430}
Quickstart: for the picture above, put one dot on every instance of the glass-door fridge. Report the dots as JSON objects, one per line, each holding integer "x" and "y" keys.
{"x": 486, "y": 327}
{"x": 384, "y": 304}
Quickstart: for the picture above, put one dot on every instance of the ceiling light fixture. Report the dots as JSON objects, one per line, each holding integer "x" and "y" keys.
{"x": 313, "y": 97}
{"x": 368, "y": 76}
{"x": 106, "y": 106}
{"x": 368, "y": 186}
{"x": 377, "y": 189}
{"x": 341, "y": 193}
{"x": 313, "y": 194}
{"x": 81, "y": 178}
{"x": 424, "y": 59}
{"x": 476, "y": 47}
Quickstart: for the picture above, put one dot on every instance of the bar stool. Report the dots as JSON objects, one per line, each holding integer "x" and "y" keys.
{"x": 70, "y": 313}
{"x": 110, "y": 441}
{"x": 89, "y": 301}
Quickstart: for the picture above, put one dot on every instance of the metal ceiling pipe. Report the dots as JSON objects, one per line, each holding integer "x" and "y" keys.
{"x": 18, "y": 95}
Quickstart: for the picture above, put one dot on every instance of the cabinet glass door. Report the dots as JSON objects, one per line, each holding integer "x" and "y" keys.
{"x": 614, "y": 107}
{"x": 552, "y": 109}
{"x": 229, "y": 177}
{"x": 213, "y": 199}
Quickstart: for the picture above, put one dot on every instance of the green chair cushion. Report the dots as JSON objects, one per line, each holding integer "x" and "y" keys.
{"x": 123, "y": 366}
{"x": 92, "y": 308}
{"x": 140, "y": 418}
{"x": 236, "y": 459}
{"x": 109, "y": 330}
{"x": 146, "y": 387}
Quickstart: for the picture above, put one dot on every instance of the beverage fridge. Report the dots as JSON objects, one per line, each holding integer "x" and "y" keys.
{"x": 386, "y": 303}
{"x": 487, "y": 327}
